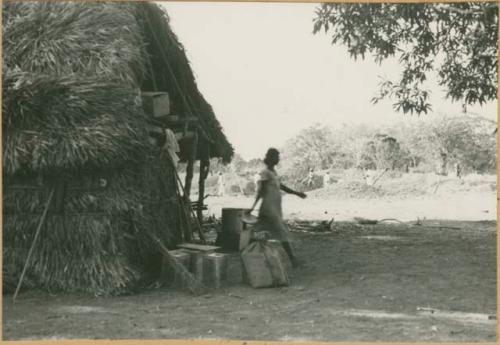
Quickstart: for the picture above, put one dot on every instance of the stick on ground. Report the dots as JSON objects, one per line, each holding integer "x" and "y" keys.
{"x": 37, "y": 233}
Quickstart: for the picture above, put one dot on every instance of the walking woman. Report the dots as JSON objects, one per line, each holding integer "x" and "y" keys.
{"x": 270, "y": 217}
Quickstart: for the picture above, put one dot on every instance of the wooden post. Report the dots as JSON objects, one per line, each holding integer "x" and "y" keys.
{"x": 190, "y": 166}
{"x": 204, "y": 169}
{"x": 187, "y": 231}
{"x": 187, "y": 211}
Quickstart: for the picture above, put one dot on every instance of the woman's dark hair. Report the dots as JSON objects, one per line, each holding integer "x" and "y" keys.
{"x": 272, "y": 152}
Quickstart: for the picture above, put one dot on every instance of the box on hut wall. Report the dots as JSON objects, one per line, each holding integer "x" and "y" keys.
{"x": 156, "y": 104}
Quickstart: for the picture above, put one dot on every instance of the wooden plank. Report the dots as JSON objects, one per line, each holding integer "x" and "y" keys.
{"x": 174, "y": 120}
{"x": 179, "y": 134}
{"x": 180, "y": 119}
{"x": 195, "y": 206}
{"x": 199, "y": 247}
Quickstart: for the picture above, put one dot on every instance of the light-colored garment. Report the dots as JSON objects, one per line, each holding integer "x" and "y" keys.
{"x": 369, "y": 178}
{"x": 171, "y": 145}
{"x": 270, "y": 213}
{"x": 310, "y": 178}
{"x": 326, "y": 180}
{"x": 221, "y": 187}
{"x": 256, "y": 178}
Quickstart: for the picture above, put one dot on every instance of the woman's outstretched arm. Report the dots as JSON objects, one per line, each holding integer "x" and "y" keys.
{"x": 291, "y": 191}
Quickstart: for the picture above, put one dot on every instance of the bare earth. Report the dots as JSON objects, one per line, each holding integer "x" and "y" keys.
{"x": 457, "y": 206}
{"x": 386, "y": 282}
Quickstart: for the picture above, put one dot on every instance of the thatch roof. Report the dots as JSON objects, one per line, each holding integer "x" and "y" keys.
{"x": 61, "y": 71}
{"x": 169, "y": 70}
{"x": 69, "y": 89}
{"x": 73, "y": 122}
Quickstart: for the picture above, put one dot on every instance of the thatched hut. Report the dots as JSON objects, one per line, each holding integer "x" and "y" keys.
{"x": 76, "y": 133}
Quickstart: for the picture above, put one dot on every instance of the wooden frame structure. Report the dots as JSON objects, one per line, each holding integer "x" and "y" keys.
{"x": 194, "y": 143}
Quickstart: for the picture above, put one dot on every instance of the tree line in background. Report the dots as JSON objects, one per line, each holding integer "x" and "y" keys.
{"x": 444, "y": 145}
{"x": 466, "y": 143}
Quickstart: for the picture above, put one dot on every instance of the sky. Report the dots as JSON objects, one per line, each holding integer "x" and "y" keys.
{"x": 267, "y": 76}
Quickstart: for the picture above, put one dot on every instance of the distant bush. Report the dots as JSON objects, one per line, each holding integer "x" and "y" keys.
{"x": 250, "y": 188}
{"x": 234, "y": 189}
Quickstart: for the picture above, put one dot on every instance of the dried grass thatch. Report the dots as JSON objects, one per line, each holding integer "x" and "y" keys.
{"x": 169, "y": 70}
{"x": 97, "y": 235}
{"x": 70, "y": 96}
{"x": 65, "y": 38}
{"x": 73, "y": 121}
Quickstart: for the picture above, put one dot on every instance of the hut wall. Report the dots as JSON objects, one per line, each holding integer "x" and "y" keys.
{"x": 73, "y": 121}
{"x": 99, "y": 240}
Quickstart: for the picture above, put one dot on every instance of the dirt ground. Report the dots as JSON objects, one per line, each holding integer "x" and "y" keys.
{"x": 457, "y": 206}
{"x": 386, "y": 282}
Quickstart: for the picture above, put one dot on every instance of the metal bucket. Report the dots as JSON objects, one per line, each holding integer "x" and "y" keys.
{"x": 232, "y": 225}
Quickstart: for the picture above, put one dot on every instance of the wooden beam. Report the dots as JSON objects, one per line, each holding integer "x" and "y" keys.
{"x": 186, "y": 135}
{"x": 174, "y": 121}
{"x": 204, "y": 169}
{"x": 193, "y": 124}
{"x": 190, "y": 166}
{"x": 180, "y": 119}
{"x": 157, "y": 131}
{"x": 199, "y": 247}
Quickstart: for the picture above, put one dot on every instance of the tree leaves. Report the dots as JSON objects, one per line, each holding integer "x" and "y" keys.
{"x": 465, "y": 34}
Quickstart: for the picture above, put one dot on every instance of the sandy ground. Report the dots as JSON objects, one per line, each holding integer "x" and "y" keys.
{"x": 386, "y": 282}
{"x": 457, "y": 206}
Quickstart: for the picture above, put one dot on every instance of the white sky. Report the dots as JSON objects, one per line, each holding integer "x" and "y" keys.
{"x": 267, "y": 76}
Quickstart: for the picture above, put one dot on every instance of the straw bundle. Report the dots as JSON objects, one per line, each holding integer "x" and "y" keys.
{"x": 67, "y": 122}
{"x": 70, "y": 93}
{"x": 64, "y": 38}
